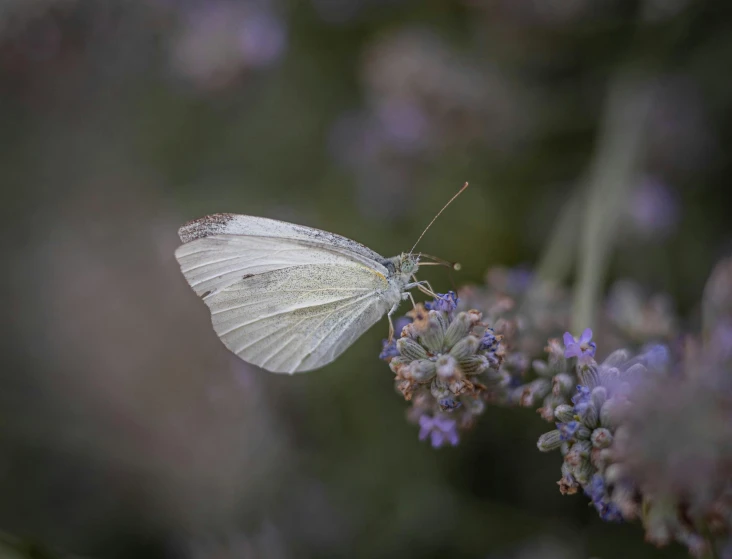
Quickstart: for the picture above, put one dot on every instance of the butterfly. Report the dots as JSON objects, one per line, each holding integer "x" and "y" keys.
{"x": 290, "y": 298}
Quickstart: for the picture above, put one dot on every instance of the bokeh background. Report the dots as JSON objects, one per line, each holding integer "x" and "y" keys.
{"x": 126, "y": 428}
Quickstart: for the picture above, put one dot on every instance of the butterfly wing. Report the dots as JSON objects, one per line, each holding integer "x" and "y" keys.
{"x": 299, "y": 318}
{"x": 221, "y": 249}
{"x": 286, "y": 303}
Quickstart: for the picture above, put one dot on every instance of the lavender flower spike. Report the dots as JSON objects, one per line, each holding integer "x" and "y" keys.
{"x": 440, "y": 430}
{"x": 583, "y": 348}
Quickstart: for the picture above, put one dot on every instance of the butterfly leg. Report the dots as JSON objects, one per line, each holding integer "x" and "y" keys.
{"x": 391, "y": 324}
{"x": 420, "y": 285}
{"x": 414, "y": 305}
{"x": 428, "y": 286}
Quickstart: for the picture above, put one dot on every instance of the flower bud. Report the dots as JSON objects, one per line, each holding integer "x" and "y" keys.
{"x": 617, "y": 358}
{"x": 610, "y": 375}
{"x": 584, "y": 472}
{"x": 549, "y": 441}
{"x": 635, "y": 373}
{"x": 534, "y": 391}
{"x": 589, "y": 415}
{"x": 563, "y": 384}
{"x": 432, "y": 335}
{"x": 574, "y": 457}
{"x": 609, "y": 413}
{"x": 466, "y": 347}
{"x": 564, "y": 413}
{"x": 459, "y": 384}
{"x": 447, "y": 367}
{"x": 582, "y": 433}
{"x": 589, "y": 376}
{"x": 601, "y": 438}
{"x": 599, "y": 397}
{"x": 410, "y": 349}
{"x": 474, "y": 365}
{"x": 567, "y": 485}
{"x": 542, "y": 368}
{"x": 458, "y": 329}
{"x": 439, "y": 389}
{"x": 421, "y": 371}
{"x": 583, "y": 447}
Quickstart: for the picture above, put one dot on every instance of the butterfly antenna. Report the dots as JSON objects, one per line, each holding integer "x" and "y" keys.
{"x": 459, "y": 192}
{"x": 439, "y": 262}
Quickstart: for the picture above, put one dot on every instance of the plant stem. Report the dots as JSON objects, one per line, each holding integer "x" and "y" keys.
{"x": 610, "y": 178}
{"x": 558, "y": 257}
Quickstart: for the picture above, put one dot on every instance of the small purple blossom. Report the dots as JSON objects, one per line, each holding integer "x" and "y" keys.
{"x": 568, "y": 429}
{"x": 596, "y": 490}
{"x": 444, "y": 302}
{"x": 489, "y": 341}
{"x": 389, "y": 349}
{"x": 582, "y": 399}
{"x": 449, "y": 404}
{"x": 440, "y": 430}
{"x": 583, "y": 348}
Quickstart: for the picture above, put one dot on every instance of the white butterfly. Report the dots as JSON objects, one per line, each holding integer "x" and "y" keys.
{"x": 290, "y": 298}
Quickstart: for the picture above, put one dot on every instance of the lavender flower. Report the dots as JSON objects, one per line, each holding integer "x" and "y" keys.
{"x": 648, "y": 439}
{"x": 583, "y": 348}
{"x": 443, "y": 364}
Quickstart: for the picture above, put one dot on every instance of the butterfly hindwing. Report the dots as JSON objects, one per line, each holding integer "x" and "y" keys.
{"x": 299, "y": 318}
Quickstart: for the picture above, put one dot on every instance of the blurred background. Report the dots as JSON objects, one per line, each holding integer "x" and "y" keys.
{"x": 128, "y": 430}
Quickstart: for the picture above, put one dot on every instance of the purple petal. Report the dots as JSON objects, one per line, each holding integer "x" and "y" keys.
{"x": 444, "y": 424}
{"x": 437, "y": 439}
{"x": 568, "y": 339}
{"x": 586, "y": 336}
{"x": 572, "y": 351}
{"x": 453, "y": 438}
{"x": 425, "y": 427}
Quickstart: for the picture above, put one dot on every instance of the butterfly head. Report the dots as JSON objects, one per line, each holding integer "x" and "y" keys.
{"x": 408, "y": 264}
{"x": 402, "y": 267}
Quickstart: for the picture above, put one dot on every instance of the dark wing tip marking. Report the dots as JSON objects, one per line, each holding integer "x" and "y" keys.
{"x": 204, "y": 227}
{"x": 247, "y": 276}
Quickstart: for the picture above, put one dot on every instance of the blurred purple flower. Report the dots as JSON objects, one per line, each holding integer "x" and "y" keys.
{"x": 440, "y": 430}
{"x": 218, "y": 40}
{"x": 583, "y": 348}
{"x": 262, "y": 39}
{"x": 654, "y": 208}
{"x": 596, "y": 490}
{"x": 404, "y": 124}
